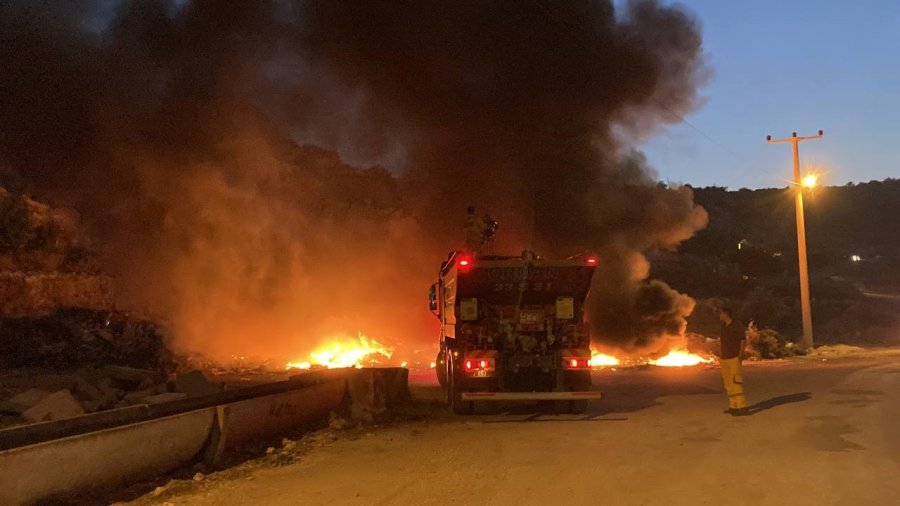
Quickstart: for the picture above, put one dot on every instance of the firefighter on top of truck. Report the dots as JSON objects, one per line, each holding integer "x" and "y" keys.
{"x": 474, "y": 229}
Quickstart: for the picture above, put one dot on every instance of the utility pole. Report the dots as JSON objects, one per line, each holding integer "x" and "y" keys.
{"x": 807, "y": 341}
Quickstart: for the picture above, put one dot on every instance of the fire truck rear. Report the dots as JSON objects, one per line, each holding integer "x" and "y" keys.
{"x": 512, "y": 328}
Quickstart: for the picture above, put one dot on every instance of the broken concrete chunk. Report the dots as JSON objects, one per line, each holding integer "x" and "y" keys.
{"x": 29, "y": 397}
{"x": 55, "y": 406}
{"x": 161, "y": 398}
{"x": 87, "y": 391}
{"x": 195, "y": 384}
{"x": 147, "y": 392}
{"x": 130, "y": 374}
{"x": 109, "y": 392}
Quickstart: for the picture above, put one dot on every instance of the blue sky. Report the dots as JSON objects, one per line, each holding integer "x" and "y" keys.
{"x": 783, "y": 66}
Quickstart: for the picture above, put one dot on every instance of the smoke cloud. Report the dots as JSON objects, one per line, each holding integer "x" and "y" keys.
{"x": 175, "y": 129}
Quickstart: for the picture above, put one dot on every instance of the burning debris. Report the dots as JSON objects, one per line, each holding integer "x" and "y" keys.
{"x": 673, "y": 358}
{"x": 681, "y": 358}
{"x": 346, "y": 352}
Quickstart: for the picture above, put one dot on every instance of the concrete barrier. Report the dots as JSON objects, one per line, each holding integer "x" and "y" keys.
{"x": 271, "y": 415}
{"x": 103, "y": 458}
{"x": 375, "y": 393}
{"x": 48, "y": 431}
{"x": 52, "y": 459}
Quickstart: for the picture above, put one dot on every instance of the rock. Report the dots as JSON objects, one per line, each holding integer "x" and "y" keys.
{"x": 132, "y": 375}
{"x": 55, "y": 406}
{"x": 109, "y": 393}
{"x": 143, "y": 394}
{"x": 199, "y": 477}
{"x": 195, "y": 384}
{"x": 87, "y": 391}
{"x": 161, "y": 398}
{"x": 29, "y": 398}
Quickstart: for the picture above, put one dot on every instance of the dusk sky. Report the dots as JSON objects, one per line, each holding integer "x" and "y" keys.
{"x": 779, "y": 67}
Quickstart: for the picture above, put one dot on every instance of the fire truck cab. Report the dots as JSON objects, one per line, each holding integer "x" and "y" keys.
{"x": 512, "y": 328}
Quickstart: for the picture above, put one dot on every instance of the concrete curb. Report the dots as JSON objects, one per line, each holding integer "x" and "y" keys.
{"x": 103, "y": 458}
{"x": 262, "y": 417}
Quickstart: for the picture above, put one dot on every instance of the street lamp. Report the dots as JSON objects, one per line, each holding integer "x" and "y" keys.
{"x": 799, "y": 183}
{"x": 809, "y": 181}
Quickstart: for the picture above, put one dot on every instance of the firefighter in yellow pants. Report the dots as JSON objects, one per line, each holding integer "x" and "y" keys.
{"x": 734, "y": 383}
{"x": 732, "y": 341}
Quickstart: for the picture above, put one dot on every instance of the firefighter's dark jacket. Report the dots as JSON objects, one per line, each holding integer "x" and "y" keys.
{"x": 732, "y": 340}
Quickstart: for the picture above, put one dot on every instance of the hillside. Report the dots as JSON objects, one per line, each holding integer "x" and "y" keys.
{"x": 747, "y": 257}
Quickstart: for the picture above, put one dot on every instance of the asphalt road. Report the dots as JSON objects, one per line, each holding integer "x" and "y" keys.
{"x": 823, "y": 432}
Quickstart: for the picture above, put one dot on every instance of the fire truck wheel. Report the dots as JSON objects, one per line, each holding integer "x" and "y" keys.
{"x": 441, "y": 370}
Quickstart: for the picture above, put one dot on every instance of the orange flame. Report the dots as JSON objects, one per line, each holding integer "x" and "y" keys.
{"x": 675, "y": 358}
{"x": 680, "y": 358}
{"x": 603, "y": 360}
{"x": 345, "y": 351}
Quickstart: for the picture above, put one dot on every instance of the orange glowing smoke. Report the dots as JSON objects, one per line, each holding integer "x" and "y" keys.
{"x": 680, "y": 358}
{"x": 346, "y": 351}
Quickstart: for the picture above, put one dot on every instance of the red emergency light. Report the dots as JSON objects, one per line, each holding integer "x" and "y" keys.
{"x": 465, "y": 263}
{"x": 592, "y": 260}
{"x": 577, "y": 363}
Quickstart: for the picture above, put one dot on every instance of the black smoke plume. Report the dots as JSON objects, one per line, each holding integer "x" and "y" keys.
{"x": 171, "y": 126}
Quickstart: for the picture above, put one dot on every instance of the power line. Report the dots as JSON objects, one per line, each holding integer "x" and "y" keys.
{"x": 697, "y": 129}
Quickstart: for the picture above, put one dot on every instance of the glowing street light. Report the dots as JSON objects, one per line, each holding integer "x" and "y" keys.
{"x": 810, "y": 180}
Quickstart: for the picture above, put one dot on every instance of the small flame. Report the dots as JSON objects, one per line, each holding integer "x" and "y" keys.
{"x": 345, "y": 352}
{"x": 433, "y": 365}
{"x": 603, "y": 360}
{"x": 680, "y": 358}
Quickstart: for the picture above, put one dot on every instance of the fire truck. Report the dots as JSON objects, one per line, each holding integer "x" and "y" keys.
{"x": 512, "y": 329}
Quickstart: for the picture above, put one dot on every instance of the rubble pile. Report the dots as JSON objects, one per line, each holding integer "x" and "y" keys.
{"x": 31, "y": 396}
{"x": 40, "y": 294}
{"x": 73, "y": 338}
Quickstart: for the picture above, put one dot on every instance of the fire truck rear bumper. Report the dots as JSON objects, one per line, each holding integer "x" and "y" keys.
{"x": 531, "y": 396}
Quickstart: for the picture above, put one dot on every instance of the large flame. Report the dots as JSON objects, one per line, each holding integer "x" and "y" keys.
{"x": 680, "y": 358}
{"x": 675, "y": 358}
{"x": 603, "y": 360}
{"x": 346, "y": 351}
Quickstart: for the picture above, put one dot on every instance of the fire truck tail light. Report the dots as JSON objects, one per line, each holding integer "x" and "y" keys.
{"x": 577, "y": 363}
{"x": 475, "y": 366}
